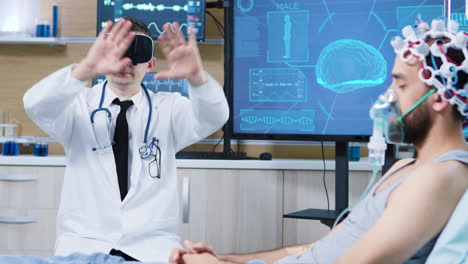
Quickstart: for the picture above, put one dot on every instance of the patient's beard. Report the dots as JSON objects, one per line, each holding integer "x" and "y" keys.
{"x": 417, "y": 125}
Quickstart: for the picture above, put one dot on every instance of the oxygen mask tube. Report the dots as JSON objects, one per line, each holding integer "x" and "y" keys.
{"x": 376, "y": 146}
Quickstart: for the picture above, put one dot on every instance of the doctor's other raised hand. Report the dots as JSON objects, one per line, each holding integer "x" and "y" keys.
{"x": 183, "y": 57}
{"x": 106, "y": 55}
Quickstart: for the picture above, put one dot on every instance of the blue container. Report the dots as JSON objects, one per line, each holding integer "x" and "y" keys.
{"x": 43, "y": 30}
{"x": 41, "y": 149}
{"x": 54, "y": 20}
{"x": 354, "y": 153}
{"x": 40, "y": 30}
{"x": 46, "y": 31}
{"x": 10, "y": 148}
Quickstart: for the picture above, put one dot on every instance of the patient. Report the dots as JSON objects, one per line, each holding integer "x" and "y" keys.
{"x": 402, "y": 216}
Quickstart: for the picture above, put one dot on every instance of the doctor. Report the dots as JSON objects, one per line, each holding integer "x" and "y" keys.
{"x": 120, "y": 192}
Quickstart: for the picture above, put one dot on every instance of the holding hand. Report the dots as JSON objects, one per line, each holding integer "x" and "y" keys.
{"x": 179, "y": 255}
{"x": 105, "y": 55}
{"x": 203, "y": 258}
{"x": 183, "y": 57}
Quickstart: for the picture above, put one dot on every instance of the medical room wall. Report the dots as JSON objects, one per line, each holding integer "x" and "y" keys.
{"x": 21, "y": 66}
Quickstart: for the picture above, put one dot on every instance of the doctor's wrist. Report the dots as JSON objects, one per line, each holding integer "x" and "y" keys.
{"x": 82, "y": 71}
{"x": 198, "y": 79}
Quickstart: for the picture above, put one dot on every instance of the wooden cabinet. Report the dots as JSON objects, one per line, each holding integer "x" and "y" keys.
{"x": 29, "y": 198}
{"x": 235, "y": 210}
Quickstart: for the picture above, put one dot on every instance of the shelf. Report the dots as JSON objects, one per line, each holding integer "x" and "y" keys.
{"x": 64, "y": 41}
{"x": 317, "y": 214}
{"x": 92, "y": 40}
{"x": 33, "y": 41}
{"x": 326, "y": 217}
{"x": 26, "y": 139}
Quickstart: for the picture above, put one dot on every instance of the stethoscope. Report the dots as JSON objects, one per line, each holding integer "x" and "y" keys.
{"x": 146, "y": 150}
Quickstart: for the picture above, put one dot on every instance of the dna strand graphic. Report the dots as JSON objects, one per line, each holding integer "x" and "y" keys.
{"x": 272, "y": 120}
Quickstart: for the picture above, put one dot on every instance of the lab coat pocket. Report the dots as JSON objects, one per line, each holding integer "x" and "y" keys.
{"x": 154, "y": 164}
{"x": 152, "y": 170}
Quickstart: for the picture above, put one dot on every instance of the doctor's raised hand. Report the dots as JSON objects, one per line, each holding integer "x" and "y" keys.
{"x": 106, "y": 55}
{"x": 183, "y": 57}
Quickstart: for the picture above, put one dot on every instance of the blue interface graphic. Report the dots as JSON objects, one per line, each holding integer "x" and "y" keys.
{"x": 277, "y": 85}
{"x": 302, "y": 120}
{"x": 360, "y": 66}
{"x": 155, "y": 13}
{"x": 164, "y": 85}
{"x": 287, "y": 36}
{"x": 316, "y": 67}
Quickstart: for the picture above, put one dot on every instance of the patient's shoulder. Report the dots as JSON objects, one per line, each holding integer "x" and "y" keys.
{"x": 445, "y": 177}
{"x": 447, "y": 172}
{"x": 398, "y": 164}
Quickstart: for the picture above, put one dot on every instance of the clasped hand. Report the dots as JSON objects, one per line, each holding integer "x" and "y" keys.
{"x": 193, "y": 253}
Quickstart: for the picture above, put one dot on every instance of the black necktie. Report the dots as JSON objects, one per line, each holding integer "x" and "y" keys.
{"x": 120, "y": 146}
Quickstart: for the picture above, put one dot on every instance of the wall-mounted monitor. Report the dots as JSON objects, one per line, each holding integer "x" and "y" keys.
{"x": 155, "y": 13}
{"x": 305, "y": 69}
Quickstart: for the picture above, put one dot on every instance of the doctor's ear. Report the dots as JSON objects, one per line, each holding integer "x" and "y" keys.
{"x": 151, "y": 64}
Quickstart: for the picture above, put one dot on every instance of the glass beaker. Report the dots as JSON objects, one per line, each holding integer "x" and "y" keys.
{"x": 5, "y": 120}
{"x": 41, "y": 147}
{"x": 10, "y": 147}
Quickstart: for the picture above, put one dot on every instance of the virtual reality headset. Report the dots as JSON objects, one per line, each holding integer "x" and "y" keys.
{"x": 141, "y": 50}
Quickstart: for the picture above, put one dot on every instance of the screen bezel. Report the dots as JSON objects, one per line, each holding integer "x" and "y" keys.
{"x": 229, "y": 89}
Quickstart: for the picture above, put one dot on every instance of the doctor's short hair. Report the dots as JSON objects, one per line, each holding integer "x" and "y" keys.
{"x": 139, "y": 26}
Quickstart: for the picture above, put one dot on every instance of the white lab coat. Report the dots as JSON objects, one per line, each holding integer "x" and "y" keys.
{"x": 92, "y": 217}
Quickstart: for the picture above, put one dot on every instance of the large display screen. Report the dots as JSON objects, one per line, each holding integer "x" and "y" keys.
{"x": 314, "y": 68}
{"x": 155, "y": 13}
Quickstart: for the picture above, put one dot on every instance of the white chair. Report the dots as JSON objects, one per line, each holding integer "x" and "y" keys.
{"x": 452, "y": 244}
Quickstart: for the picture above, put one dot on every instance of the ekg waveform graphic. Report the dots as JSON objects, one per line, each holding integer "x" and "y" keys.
{"x": 171, "y": 85}
{"x": 152, "y": 8}
{"x": 164, "y": 85}
{"x": 303, "y": 120}
{"x": 160, "y": 31}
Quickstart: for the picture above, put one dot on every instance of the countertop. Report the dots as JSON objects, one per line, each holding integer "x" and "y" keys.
{"x": 275, "y": 164}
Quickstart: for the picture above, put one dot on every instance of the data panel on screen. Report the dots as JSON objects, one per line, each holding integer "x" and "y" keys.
{"x": 305, "y": 67}
{"x": 155, "y": 13}
{"x": 164, "y": 85}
